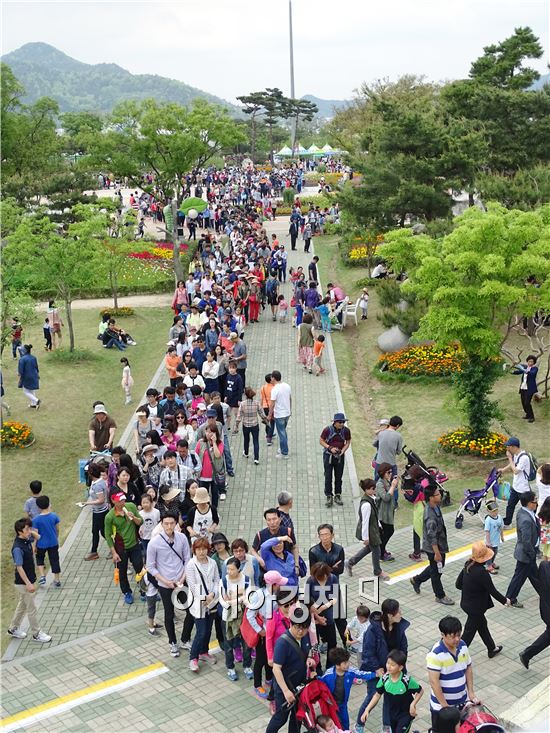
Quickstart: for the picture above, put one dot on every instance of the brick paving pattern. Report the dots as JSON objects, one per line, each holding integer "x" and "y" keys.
{"x": 100, "y": 638}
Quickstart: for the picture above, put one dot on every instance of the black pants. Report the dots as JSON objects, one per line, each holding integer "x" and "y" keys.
{"x": 53, "y": 557}
{"x": 538, "y": 645}
{"x": 281, "y": 715}
{"x": 477, "y": 624}
{"x": 400, "y": 723}
{"x": 387, "y": 531}
{"x": 328, "y": 635}
{"x": 416, "y": 543}
{"x": 98, "y": 528}
{"x": 341, "y": 624}
{"x": 188, "y": 623}
{"x": 166, "y": 598}
{"x": 523, "y": 571}
{"x": 136, "y": 558}
{"x": 242, "y": 372}
{"x": 260, "y": 663}
{"x": 254, "y": 431}
{"x": 510, "y": 507}
{"x": 526, "y": 400}
{"x": 333, "y": 466}
{"x": 293, "y": 242}
{"x": 432, "y": 573}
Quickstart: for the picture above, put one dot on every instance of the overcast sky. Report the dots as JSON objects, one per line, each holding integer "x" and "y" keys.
{"x": 232, "y": 47}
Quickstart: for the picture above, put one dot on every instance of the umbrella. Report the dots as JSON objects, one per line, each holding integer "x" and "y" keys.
{"x": 192, "y": 203}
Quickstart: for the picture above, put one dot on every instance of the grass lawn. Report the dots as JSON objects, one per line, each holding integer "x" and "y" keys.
{"x": 61, "y": 425}
{"x": 427, "y": 409}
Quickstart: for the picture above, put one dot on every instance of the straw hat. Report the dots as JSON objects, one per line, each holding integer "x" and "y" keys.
{"x": 480, "y": 552}
{"x": 201, "y": 496}
{"x": 174, "y": 491}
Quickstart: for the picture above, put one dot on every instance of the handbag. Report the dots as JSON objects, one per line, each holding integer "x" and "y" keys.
{"x": 251, "y": 637}
{"x": 302, "y": 567}
{"x": 218, "y": 468}
{"x": 214, "y": 609}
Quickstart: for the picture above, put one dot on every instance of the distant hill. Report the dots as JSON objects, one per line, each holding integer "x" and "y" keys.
{"x": 543, "y": 81}
{"x": 44, "y": 71}
{"x": 327, "y": 107}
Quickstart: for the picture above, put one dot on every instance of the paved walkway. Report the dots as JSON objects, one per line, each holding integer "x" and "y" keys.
{"x": 96, "y": 638}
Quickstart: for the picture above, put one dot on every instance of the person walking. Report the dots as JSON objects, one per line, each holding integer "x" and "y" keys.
{"x": 520, "y": 465}
{"x": 543, "y": 641}
{"x": 293, "y": 231}
{"x": 528, "y": 385}
{"x": 127, "y": 380}
{"x": 121, "y": 538}
{"x": 389, "y": 444}
{"x": 98, "y": 500}
{"x": 55, "y": 322}
{"x": 280, "y": 410}
{"x": 29, "y": 375}
{"x": 386, "y": 486}
{"x": 435, "y": 545}
{"x": 525, "y": 551}
{"x": 203, "y": 580}
{"x": 250, "y": 413}
{"x": 167, "y": 557}
{"x": 335, "y": 440}
{"x": 25, "y": 579}
{"x": 368, "y": 531}
{"x": 476, "y": 585}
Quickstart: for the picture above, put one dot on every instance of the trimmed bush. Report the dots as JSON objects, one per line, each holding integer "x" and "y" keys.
{"x": 121, "y": 312}
{"x": 461, "y": 442}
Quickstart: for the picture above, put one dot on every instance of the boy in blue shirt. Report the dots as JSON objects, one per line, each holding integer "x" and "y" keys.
{"x": 339, "y": 679}
{"x": 47, "y": 526}
{"x": 494, "y": 533}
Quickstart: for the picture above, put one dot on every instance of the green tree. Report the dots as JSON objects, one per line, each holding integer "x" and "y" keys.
{"x": 474, "y": 282}
{"x": 502, "y": 63}
{"x": 254, "y": 107}
{"x": 298, "y": 110}
{"x": 78, "y": 127}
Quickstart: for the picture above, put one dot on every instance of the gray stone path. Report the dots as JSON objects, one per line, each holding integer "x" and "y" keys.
{"x": 97, "y": 637}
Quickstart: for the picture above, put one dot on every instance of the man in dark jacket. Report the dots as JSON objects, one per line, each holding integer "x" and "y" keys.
{"x": 543, "y": 640}
{"x": 434, "y": 544}
{"x": 293, "y": 230}
{"x": 525, "y": 551}
{"x": 332, "y": 554}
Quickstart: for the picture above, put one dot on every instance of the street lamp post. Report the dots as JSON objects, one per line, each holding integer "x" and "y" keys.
{"x": 291, "y": 70}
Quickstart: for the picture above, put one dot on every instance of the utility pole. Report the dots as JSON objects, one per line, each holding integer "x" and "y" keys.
{"x": 292, "y": 92}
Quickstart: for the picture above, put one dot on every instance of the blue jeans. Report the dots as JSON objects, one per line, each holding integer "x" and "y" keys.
{"x": 280, "y": 425}
{"x": 254, "y": 431}
{"x": 371, "y": 689}
{"x": 115, "y": 342}
{"x": 203, "y": 629}
{"x": 227, "y": 453}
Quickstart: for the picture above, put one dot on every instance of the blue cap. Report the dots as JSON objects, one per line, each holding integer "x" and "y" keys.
{"x": 513, "y": 441}
{"x": 339, "y": 417}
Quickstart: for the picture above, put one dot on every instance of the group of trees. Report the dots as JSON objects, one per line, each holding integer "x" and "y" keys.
{"x": 270, "y": 106}
{"x": 416, "y": 144}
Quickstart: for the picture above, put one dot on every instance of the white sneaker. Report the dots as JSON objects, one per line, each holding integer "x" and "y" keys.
{"x": 222, "y": 497}
{"x": 41, "y": 637}
{"x": 185, "y": 645}
{"x": 174, "y": 651}
{"x": 17, "y": 633}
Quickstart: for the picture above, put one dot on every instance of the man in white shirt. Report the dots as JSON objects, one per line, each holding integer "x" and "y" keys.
{"x": 280, "y": 410}
{"x": 520, "y": 464}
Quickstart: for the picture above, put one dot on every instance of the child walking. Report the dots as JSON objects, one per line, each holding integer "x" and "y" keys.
{"x": 324, "y": 312}
{"x": 355, "y": 630}
{"x": 494, "y": 533}
{"x": 47, "y": 526}
{"x": 318, "y": 348}
{"x": 282, "y": 309}
{"x": 364, "y": 304}
{"x": 47, "y": 331}
{"x": 127, "y": 380}
{"x": 340, "y": 678}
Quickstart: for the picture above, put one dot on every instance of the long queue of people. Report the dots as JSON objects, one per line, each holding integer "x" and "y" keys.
{"x": 158, "y": 504}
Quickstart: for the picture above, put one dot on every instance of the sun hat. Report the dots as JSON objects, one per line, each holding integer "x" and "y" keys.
{"x": 480, "y": 552}
{"x": 274, "y": 577}
{"x": 220, "y": 537}
{"x": 491, "y": 505}
{"x": 149, "y": 447}
{"x": 119, "y": 496}
{"x": 339, "y": 417}
{"x": 201, "y": 496}
{"x": 234, "y": 335}
{"x": 100, "y": 408}
{"x": 512, "y": 441}
{"x": 174, "y": 491}
{"x": 384, "y": 421}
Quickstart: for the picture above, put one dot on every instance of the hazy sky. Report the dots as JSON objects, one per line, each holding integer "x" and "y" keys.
{"x": 231, "y": 47}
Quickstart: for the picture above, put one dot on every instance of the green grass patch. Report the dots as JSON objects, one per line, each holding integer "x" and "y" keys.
{"x": 67, "y": 390}
{"x": 426, "y": 405}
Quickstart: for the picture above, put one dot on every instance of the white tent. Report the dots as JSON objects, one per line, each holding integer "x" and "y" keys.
{"x": 327, "y": 149}
{"x": 313, "y": 149}
{"x": 285, "y": 152}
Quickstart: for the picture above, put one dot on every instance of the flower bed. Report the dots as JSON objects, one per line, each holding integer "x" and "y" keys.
{"x": 157, "y": 251}
{"x": 461, "y": 442}
{"x": 16, "y": 435}
{"x": 121, "y": 311}
{"x": 423, "y": 361}
{"x": 355, "y": 253}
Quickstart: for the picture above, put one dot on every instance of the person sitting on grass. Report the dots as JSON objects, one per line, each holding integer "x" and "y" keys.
{"x": 401, "y": 694}
{"x": 339, "y": 679}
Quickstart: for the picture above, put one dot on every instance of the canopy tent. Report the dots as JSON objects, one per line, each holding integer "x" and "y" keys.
{"x": 327, "y": 148}
{"x": 314, "y": 149}
{"x": 285, "y": 152}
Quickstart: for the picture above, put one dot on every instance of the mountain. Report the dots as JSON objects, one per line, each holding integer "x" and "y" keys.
{"x": 44, "y": 71}
{"x": 543, "y": 81}
{"x": 327, "y": 107}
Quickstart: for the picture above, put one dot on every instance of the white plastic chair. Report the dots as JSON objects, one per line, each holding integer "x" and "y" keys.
{"x": 351, "y": 310}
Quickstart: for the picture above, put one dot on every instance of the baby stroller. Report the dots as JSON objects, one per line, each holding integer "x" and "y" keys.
{"x": 432, "y": 473}
{"x": 95, "y": 457}
{"x": 479, "y": 719}
{"x": 473, "y": 498}
{"x": 313, "y": 699}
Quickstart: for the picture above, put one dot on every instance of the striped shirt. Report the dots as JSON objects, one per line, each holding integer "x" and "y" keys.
{"x": 452, "y": 673}
{"x": 250, "y": 413}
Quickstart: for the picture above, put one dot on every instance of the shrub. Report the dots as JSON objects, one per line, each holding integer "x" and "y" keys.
{"x": 121, "y": 312}
{"x": 15, "y": 434}
{"x": 76, "y": 356}
{"x": 461, "y": 442}
{"x": 289, "y": 195}
{"x": 332, "y": 228}
{"x": 429, "y": 361}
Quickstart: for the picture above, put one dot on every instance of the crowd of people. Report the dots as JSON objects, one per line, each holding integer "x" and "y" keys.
{"x": 274, "y": 605}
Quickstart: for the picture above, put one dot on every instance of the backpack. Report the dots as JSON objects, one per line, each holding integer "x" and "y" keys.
{"x": 533, "y": 465}
{"x": 271, "y": 287}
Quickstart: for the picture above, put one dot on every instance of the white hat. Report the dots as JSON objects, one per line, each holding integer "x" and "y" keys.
{"x": 100, "y": 408}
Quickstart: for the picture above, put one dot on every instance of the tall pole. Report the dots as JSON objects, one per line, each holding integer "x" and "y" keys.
{"x": 291, "y": 71}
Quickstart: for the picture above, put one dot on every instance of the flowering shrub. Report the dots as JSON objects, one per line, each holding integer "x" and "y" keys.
{"x": 427, "y": 361}
{"x": 162, "y": 254}
{"x": 461, "y": 442}
{"x": 124, "y": 310}
{"x": 15, "y": 435}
